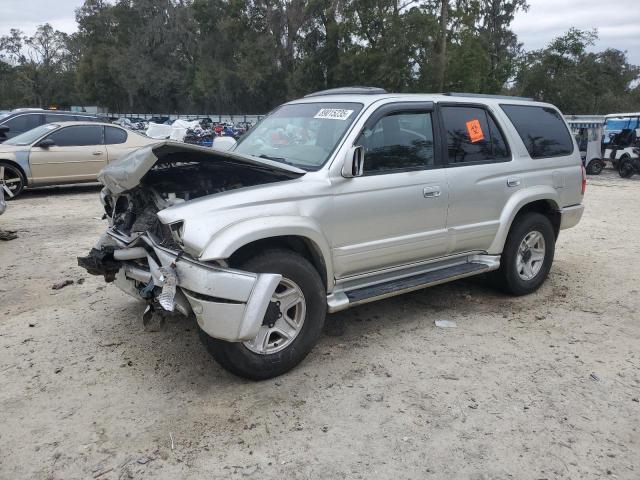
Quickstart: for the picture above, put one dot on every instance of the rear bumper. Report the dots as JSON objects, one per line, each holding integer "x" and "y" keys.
{"x": 570, "y": 216}
{"x": 228, "y": 304}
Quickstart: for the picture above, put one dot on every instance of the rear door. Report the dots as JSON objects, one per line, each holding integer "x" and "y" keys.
{"x": 77, "y": 156}
{"x": 479, "y": 167}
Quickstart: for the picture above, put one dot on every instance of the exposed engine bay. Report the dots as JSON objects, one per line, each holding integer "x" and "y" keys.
{"x": 178, "y": 177}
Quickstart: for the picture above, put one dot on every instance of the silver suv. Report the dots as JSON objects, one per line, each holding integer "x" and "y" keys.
{"x": 337, "y": 199}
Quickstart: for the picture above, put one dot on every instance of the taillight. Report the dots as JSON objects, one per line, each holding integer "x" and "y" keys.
{"x": 584, "y": 180}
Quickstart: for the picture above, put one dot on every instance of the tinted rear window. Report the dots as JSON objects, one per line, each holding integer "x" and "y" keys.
{"x": 472, "y": 136}
{"x": 542, "y": 130}
{"x": 114, "y": 136}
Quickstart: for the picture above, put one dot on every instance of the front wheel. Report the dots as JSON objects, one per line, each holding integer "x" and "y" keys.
{"x": 12, "y": 180}
{"x": 527, "y": 255}
{"x": 291, "y": 327}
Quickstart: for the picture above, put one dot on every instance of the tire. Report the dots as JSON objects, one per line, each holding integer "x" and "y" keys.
{"x": 509, "y": 277}
{"x": 244, "y": 359}
{"x": 11, "y": 179}
{"x": 625, "y": 169}
{"x": 595, "y": 167}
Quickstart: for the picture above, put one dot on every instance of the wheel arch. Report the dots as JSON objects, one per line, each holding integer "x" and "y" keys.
{"x": 544, "y": 201}
{"x": 299, "y": 234}
{"x": 17, "y": 165}
{"x": 297, "y": 243}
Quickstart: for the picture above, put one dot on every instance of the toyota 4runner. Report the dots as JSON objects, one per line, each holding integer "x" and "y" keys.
{"x": 340, "y": 198}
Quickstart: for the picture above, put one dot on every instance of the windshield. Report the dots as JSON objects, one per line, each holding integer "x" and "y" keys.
{"x": 27, "y": 138}
{"x": 4, "y": 114}
{"x": 303, "y": 134}
{"x": 616, "y": 125}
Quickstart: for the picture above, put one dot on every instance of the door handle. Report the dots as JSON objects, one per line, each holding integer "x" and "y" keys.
{"x": 513, "y": 182}
{"x": 97, "y": 153}
{"x": 431, "y": 192}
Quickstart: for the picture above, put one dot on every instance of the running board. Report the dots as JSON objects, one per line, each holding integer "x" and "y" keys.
{"x": 345, "y": 299}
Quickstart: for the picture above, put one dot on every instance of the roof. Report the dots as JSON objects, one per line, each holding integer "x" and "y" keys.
{"x": 621, "y": 115}
{"x": 66, "y": 124}
{"x": 21, "y": 111}
{"x": 370, "y": 98}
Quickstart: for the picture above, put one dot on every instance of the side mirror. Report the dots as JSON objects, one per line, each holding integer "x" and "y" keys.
{"x": 46, "y": 143}
{"x": 353, "y": 165}
{"x": 4, "y": 129}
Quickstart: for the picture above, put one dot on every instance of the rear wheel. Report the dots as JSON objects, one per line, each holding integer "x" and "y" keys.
{"x": 595, "y": 167}
{"x": 12, "y": 180}
{"x": 291, "y": 327}
{"x": 527, "y": 255}
{"x": 625, "y": 168}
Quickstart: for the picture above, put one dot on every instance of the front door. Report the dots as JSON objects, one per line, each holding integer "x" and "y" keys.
{"x": 395, "y": 214}
{"x": 77, "y": 155}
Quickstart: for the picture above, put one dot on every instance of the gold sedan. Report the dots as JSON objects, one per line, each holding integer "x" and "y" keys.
{"x": 63, "y": 153}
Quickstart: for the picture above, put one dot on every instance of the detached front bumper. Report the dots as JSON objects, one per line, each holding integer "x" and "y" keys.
{"x": 228, "y": 304}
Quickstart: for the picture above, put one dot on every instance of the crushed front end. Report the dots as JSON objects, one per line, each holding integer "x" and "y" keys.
{"x": 145, "y": 257}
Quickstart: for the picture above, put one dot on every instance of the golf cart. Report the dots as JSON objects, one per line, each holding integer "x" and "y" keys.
{"x": 621, "y": 137}
{"x": 588, "y": 130}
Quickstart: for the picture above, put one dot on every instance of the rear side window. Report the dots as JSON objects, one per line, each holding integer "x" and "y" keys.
{"x": 542, "y": 130}
{"x": 77, "y": 136}
{"x": 472, "y": 136}
{"x": 23, "y": 123}
{"x": 114, "y": 136}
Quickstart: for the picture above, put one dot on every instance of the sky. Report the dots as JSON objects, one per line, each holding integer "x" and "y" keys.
{"x": 617, "y": 21}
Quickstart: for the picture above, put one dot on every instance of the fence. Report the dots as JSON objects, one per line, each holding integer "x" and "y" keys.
{"x": 214, "y": 117}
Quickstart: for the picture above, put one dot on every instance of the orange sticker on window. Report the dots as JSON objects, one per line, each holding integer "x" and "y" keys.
{"x": 475, "y": 131}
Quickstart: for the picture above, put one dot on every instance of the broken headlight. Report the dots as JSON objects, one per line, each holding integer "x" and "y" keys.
{"x": 177, "y": 231}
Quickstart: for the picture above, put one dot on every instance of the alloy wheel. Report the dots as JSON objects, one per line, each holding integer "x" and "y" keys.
{"x": 531, "y": 253}
{"x": 10, "y": 180}
{"x": 283, "y": 321}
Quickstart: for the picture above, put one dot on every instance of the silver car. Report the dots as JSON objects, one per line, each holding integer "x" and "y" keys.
{"x": 337, "y": 199}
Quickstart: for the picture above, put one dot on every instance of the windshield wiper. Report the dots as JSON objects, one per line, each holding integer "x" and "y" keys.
{"x": 281, "y": 160}
{"x": 277, "y": 159}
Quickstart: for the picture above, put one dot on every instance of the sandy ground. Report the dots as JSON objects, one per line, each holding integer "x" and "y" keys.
{"x": 540, "y": 387}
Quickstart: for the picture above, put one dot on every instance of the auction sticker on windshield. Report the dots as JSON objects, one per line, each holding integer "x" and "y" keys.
{"x": 334, "y": 113}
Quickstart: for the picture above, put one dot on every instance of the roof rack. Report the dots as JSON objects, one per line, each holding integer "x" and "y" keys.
{"x": 482, "y": 95}
{"x": 348, "y": 91}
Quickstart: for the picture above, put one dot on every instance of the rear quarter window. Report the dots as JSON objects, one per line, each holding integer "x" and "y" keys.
{"x": 542, "y": 130}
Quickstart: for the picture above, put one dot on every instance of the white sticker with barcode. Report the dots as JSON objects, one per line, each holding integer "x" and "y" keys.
{"x": 334, "y": 113}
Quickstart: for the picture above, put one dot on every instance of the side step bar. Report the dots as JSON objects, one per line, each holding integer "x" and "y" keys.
{"x": 342, "y": 300}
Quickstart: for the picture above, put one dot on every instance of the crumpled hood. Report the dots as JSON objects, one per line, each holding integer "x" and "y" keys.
{"x": 126, "y": 173}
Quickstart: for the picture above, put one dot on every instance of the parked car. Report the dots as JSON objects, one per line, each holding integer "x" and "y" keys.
{"x": 334, "y": 200}
{"x": 61, "y": 153}
{"x": 22, "y": 120}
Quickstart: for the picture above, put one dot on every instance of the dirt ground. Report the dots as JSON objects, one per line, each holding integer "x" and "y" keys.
{"x": 540, "y": 387}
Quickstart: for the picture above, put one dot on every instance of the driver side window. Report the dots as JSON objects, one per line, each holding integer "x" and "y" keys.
{"x": 397, "y": 142}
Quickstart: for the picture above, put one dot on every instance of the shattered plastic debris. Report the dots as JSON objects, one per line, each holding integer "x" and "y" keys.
{"x": 170, "y": 280}
{"x": 62, "y": 284}
{"x": 446, "y": 324}
{"x": 8, "y": 235}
